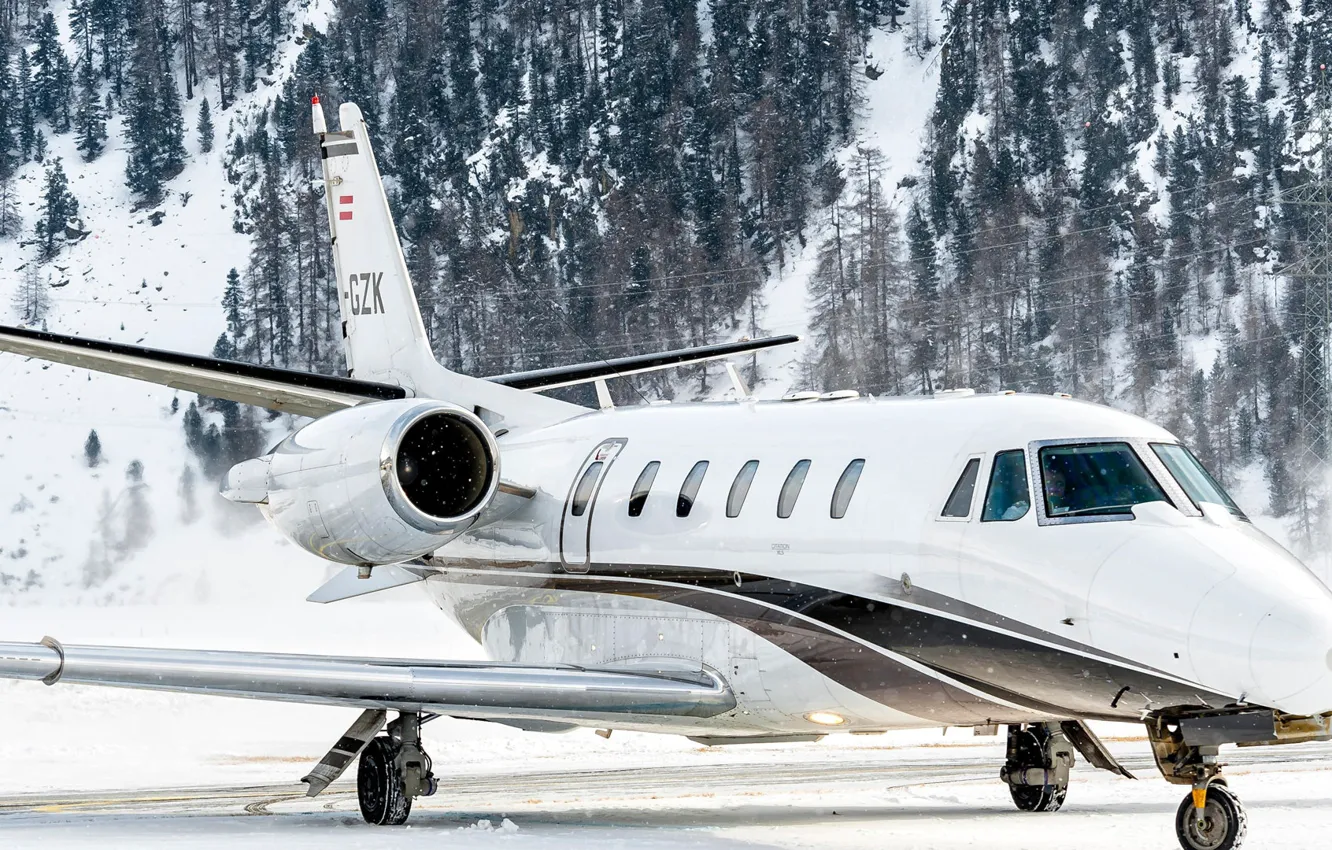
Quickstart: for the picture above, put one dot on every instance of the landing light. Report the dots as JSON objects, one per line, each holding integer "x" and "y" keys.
{"x": 825, "y": 718}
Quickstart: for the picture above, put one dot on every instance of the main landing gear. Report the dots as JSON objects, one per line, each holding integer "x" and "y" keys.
{"x": 393, "y": 769}
{"x": 1039, "y": 758}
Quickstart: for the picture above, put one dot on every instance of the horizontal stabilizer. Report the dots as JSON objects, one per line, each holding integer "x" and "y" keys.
{"x": 482, "y": 690}
{"x": 287, "y": 390}
{"x": 619, "y": 367}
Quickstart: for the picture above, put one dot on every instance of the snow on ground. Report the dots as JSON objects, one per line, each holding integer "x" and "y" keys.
{"x": 917, "y": 789}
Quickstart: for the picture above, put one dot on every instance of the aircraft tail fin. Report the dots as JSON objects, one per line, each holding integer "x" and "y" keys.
{"x": 384, "y": 338}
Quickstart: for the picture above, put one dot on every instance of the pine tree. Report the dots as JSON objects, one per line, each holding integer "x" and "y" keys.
{"x": 233, "y": 300}
{"x": 49, "y": 83}
{"x": 92, "y": 450}
{"x": 156, "y": 130}
{"x": 58, "y": 206}
{"x": 170, "y": 129}
{"x": 9, "y": 100}
{"x": 90, "y": 120}
{"x": 205, "y": 127}
{"x": 189, "y": 508}
{"x": 31, "y": 299}
{"x": 27, "y": 117}
{"x": 143, "y": 172}
{"x": 1266, "y": 88}
{"x": 10, "y": 221}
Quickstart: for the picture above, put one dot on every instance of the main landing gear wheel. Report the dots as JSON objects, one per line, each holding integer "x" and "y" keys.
{"x": 1039, "y": 798}
{"x": 1221, "y": 826}
{"x": 381, "y": 787}
{"x": 1039, "y": 759}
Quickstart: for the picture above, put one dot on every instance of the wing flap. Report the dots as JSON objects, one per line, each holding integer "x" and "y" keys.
{"x": 287, "y": 390}
{"x": 477, "y": 690}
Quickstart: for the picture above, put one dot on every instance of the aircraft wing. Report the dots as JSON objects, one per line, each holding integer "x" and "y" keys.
{"x": 309, "y": 394}
{"x": 619, "y": 367}
{"x": 288, "y": 390}
{"x": 480, "y": 690}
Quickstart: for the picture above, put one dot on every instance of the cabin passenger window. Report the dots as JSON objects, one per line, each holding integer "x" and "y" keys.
{"x": 1197, "y": 483}
{"x": 740, "y": 488}
{"x": 583, "y": 492}
{"x": 689, "y": 490}
{"x": 791, "y": 489}
{"x": 638, "y": 496}
{"x": 959, "y": 501}
{"x": 846, "y": 487}
{"x": 1101, "y": 479}
{"x": 1007, "y": 498}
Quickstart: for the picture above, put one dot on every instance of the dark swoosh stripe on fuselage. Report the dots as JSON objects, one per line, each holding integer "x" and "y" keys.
{"x": 813, "y": 623}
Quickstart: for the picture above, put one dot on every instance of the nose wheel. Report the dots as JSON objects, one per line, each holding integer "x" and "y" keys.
{"x": 1220, "y": 824}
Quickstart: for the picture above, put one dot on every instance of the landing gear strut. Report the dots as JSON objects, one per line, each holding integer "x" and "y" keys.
{"x": 393, "y": 770}
{"x": 1211, "y": 817}
{"x": 1036, "y": 770}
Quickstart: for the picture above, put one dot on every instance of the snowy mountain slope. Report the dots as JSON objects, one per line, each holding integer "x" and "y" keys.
{"x": 63, "y": 525}
{"x": 69, "y": 533}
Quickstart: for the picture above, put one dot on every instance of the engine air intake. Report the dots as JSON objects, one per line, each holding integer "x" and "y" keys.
{"x": 444, "y": 466}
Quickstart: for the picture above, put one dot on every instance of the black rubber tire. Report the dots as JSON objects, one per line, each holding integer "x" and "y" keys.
{"x": 1038, "y": 798}
{"x": 379, "y": 785}
{"x": 1029, "y": 750}
{"x": 1225, "y": 822}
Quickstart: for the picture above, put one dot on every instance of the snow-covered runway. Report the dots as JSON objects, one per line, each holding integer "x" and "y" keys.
{"x": 869, "y": 793}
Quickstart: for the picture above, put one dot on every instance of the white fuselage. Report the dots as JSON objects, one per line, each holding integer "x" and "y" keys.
{"x": 891, "y": 615}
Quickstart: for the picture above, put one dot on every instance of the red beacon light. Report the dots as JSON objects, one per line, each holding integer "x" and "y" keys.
{"x": 317, "y": 116}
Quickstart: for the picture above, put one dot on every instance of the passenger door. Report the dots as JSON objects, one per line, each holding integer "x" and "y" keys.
{"x": 576, "y": 526}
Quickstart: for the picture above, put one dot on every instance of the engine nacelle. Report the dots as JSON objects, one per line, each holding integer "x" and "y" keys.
{"x": 379, "y": 483}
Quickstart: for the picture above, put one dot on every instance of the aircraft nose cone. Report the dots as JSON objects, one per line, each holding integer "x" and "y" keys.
{"x": 1290, "y": 658}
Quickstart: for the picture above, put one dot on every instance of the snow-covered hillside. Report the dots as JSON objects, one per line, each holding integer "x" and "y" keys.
{"x": 154, "y": 275}
{"x": 71, "y": 533}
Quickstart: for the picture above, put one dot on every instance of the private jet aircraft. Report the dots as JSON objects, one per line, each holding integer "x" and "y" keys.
{"x": 740, "y": 571}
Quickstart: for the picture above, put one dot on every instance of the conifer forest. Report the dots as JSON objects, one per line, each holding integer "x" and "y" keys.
{"x": 1117, "y": 200}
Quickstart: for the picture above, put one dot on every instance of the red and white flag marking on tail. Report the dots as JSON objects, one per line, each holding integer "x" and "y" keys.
{"x": 344, "y": 200}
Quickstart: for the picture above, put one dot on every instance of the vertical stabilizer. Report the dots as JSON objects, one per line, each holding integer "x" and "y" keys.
{"x": 383, "y": 337}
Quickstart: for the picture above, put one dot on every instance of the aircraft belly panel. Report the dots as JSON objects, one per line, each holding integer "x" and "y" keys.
{"x": 940, "y": 668}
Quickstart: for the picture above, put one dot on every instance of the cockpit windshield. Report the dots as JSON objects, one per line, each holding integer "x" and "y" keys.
{"x": 1194, "y": 478}
{"x": 1097, "y": 479}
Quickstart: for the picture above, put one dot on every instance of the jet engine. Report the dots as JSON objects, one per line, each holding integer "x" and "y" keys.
{"x": 379, "y": 483}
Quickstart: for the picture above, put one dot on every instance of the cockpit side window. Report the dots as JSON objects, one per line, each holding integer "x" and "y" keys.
{"x": 1096, "y": 479}
{"x": 1007, "y": 498}
{"x": 959, "y": 501}
{"x": 1194, "y": 478}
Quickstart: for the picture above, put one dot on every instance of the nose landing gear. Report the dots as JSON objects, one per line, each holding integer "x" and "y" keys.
{"x": 1211, "y": 817}
{"x": 1039, "y": 758}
